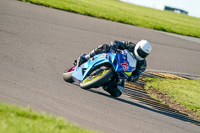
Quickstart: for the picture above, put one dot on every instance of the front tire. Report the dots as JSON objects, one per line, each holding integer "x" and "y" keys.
{"x": 97, "y": 79}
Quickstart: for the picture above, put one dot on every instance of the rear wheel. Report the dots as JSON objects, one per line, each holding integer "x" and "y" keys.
{"x": 97, "y": 78}
{"x": 67, "y": 74}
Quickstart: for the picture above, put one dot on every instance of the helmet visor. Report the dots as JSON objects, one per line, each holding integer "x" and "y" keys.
{"x": 142, "y": 53}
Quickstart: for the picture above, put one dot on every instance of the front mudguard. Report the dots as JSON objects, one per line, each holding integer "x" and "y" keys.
{"x": 80, "y": 73}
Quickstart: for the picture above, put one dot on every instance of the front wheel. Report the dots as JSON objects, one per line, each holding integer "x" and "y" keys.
{"x": 97, "y": 78}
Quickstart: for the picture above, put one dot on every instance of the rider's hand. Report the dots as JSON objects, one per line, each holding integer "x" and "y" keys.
{"x": 114, "y": 48}
{"x": 118, "y": 51}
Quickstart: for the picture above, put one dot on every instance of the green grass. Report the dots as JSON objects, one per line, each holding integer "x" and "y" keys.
{"x": 14, "y": 119}
{"x": 130, "y": 14}
{"x": 185, "y": 92}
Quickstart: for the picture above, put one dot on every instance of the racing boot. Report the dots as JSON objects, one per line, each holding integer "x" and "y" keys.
{"x": 82, "y": 59}
{"x": 85, "y": 57}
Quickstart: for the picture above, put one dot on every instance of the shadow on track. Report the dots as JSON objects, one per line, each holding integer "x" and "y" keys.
{"x": 148, "y": 103}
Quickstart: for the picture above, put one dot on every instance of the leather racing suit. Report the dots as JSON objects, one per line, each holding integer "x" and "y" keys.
{"x": 116, "y": 87}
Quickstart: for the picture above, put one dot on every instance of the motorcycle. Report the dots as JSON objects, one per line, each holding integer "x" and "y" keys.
{"x": 102, "y": 69}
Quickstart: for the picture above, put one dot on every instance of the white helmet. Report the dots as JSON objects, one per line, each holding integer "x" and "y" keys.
{"x": 142, "y": 49}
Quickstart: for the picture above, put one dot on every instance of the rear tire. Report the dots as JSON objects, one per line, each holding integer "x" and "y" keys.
{"x": 95, "y": 81}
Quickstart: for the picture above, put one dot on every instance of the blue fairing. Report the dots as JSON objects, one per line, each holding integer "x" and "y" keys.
{"x": 121, "y": 62}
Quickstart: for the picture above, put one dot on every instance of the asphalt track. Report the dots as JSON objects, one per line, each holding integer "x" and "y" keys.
{"x": 38, "y": 43}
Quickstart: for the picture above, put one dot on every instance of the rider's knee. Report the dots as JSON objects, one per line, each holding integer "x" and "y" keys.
{"x": 114, "y": 90}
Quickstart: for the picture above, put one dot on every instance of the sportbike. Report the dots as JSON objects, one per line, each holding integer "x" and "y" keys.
{"x": 102, "y": 69}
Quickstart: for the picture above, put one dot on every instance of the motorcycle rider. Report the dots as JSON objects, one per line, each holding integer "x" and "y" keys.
{"x": 140, "y": 50}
